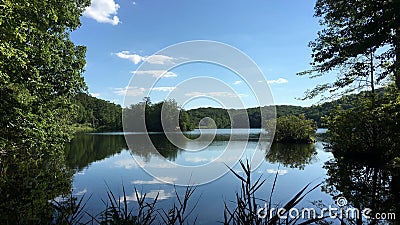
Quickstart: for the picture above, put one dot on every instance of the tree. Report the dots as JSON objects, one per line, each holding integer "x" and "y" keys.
{"x": 360, "y": 36}
{"x": 294, "y": 129}
{"x": 358, "y": 73}
{"x": 184, "y": 121}
{"x": 370, "y": 129}
{"x": 40, "y": 69}
{"x": 165, "y": 116}
{"x": 97, "y": 113}
{"x": 220, "y": 117}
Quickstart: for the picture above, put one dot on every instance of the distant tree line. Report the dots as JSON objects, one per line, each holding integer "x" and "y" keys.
{"x": 103, "y": 115}
{"x": 161, "y": 116}
{"x": 98, "y": 114}
{"x": 314, "y": 112}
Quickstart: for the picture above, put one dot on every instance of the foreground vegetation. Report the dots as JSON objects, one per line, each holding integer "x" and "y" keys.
{"x": 372, "y": 128}
{"x": 244, "y": 210}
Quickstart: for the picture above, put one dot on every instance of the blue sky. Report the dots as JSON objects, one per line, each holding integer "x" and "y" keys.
{"x": 121, "y": 34}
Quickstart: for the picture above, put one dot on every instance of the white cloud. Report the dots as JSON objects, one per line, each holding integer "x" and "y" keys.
{"x": 166, "y": 89}
{"x": 136, "y": 91}
{"x": 197, "y": 159}
{"x": 81, "y": 192}
{"x": 238, "y": 82}
{"x": 156, "y": 73}
{"x": 103, "y": 11}
{"x": 95, "y": 95}
{"x": 280, "y": 172}
{"x": 130, "y": 91}
{"x": 153, "y": 59}
{"x": 159, "y": 59}
{"x": 135, "y": 58}
{"x": 213, "y": 94}
{"x": 140, "y": 182}
{"x": 160, "y": 165}
{"x": 238, "y": 171}
{"x": 155, "y": 181}
{"x": 278, "y": 81}
{"x": 159, "y": 194}
{"x": 126, "y": 163}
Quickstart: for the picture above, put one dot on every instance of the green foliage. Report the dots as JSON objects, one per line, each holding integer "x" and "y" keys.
{"x": 353, "y": 36}
{"x": 314, "y": 112}
{"x": 117, "y": 212}
{"x": 82, "y": 128}
{"x": 145, "y": 116}
{"x": 184, "y": 121}
{"x": 40, "y": 69}
{"x": 247, "y": 205}
{"x": 371, "y": 127}
{"x": 101, "y": 115}
{"x": 220, "y": 117}
{"x": 240, "y": 118}
{"x": 294, "y": 129}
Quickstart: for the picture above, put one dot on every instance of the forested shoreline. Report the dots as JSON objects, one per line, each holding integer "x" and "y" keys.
{"x": 94, "y": 114}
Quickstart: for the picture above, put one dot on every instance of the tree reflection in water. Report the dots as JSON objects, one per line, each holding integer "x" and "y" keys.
{"x": 365, "y": 184}
{"x": 292, "y": 155}
{"x": 145, "y": 146}
{"x": 85, "y": 149}
{"x": 29, "y": 183}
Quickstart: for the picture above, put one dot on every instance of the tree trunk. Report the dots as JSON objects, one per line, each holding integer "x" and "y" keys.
{"x": 372, "y": 74}
{"x": 397, "y": 64}
{"x": 397, "y": 50}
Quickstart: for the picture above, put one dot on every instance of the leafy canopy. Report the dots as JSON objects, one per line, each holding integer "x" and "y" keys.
{"x": 294, "y": 129}
{"x": 370, "y": 129}
{"x": 361, "y": 38}
{"x": 40, "y": 69}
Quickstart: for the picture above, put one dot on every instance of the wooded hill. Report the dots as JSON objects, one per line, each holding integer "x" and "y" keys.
{"x": 106, "y": 116}
{"x": 97, "y": 113}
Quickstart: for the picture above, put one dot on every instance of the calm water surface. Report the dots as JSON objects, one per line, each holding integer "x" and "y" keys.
{"x": 103, "y": 159}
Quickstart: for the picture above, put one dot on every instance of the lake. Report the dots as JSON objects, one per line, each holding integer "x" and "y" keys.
{"x": 103, "y": 160}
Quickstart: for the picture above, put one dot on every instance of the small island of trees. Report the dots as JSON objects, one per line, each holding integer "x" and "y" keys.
{"x": 294, "y": 129}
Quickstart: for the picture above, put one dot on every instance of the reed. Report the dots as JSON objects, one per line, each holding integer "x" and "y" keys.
{"x": 246, "y": 205}
{"x": 243, "y": 210}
